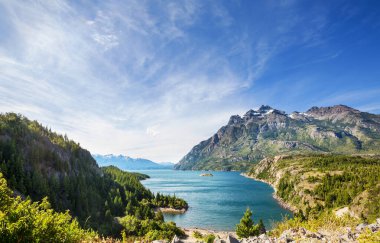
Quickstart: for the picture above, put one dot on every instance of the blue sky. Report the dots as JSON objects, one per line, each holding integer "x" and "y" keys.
{"x": 153, "y": 78}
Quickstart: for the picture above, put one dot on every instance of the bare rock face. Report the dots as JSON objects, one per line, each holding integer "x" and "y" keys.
{"x": 269, "y": 132}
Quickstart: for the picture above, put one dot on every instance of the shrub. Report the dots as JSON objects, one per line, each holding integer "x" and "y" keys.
{"x": 27, "y": 221}
{"x": 197, "y": 235}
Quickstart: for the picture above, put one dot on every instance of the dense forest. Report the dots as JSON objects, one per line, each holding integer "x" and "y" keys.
{"x": 39, "y": 163}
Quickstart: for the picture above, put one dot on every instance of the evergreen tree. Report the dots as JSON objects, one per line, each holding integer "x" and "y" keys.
{"x": 246, "y": 226}
{"x": 261, "y": 227}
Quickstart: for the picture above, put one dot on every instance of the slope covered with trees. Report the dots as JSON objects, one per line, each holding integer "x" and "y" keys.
{"x": 313, "y": 184}
{"x": 39, "y": 163}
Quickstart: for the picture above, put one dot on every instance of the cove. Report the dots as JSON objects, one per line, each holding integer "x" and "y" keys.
{"x": 216, "y": 202}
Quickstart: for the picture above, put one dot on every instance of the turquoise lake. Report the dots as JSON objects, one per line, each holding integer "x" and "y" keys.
{"x": 216, "y": 202}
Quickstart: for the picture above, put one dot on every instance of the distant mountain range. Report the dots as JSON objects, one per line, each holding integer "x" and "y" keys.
{"x": 268, "y": 132}
{"x": 127, "y": 163}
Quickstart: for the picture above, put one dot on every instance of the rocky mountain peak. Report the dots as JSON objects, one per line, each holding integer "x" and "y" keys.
{"x": 236, "y": 119}
{"x": 268, "y": 131}
{"x": 251, "y": 113}
{"x": 331, "y": 110}
{"x": 265, "y": 109}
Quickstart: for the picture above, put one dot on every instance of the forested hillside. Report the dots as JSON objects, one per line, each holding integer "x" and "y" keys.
{"x": 38, "y": 163}
{"x": 313, "y": 184}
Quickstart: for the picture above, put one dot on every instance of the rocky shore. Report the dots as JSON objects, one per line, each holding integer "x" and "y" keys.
{"x": 172, "y": 210}
{"x": 219, "y": 235}
{"x": 293, "y": 235}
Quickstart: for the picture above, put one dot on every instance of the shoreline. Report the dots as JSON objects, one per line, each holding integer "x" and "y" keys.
{"x": 279, "y": 200}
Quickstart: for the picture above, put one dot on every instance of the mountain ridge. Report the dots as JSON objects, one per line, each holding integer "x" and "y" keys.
{"x": 128, "y": 163}
{"x": 268, "y": 132}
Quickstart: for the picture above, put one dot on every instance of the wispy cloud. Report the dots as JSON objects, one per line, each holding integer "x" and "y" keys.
{"x": 147, "y": 78}
{"x": 70, "y": 74}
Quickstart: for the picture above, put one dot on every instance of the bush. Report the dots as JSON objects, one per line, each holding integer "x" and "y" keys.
{"x": 150, "y": 229}
{"x": 27, "y": 221}
{"x": 197, "y": 235}
{"x": 209, "y": 238}
{"x": 324, "y": 221}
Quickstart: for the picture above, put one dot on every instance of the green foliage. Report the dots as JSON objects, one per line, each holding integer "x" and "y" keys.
{"x": 369, "y": 236}
{"x": 141, "y": 220}
{"x": 246, "y": 227}
{"x": 25, "y": 221}
{"x": 168, "y": 201}
{"x": 318, "y": 182}
{"x": 159, "y": 216}
{"x": 40, "y": 163}
{"x": 209, "y": 238}
{"x": 139, "y": 176}
{"x": 285, "y": 186}
{"x": 357, "y": 174}
{"x": 149, "y": 229}
{"x": 261, "y": 227}
{"x": 325, "y": 221}
{"x": 197, "y": 235}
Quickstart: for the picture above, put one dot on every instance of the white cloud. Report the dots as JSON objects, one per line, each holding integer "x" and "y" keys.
{"x": 104, "y": 32}
{"x": 131, "y": 77}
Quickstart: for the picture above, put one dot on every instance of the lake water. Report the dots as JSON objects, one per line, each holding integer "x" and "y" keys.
{"x": 216, "y": 202}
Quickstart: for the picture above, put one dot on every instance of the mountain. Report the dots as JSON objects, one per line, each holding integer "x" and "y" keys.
{"x": 268, "y": 132}
{"x": 128, "y": 163}
{"x": 168, "y": 164}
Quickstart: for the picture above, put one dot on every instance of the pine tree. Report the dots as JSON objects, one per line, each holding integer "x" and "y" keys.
{"x": 246, "y": 226}
{"x": 129, "y": 208}
{"x": 261, "y": 227}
